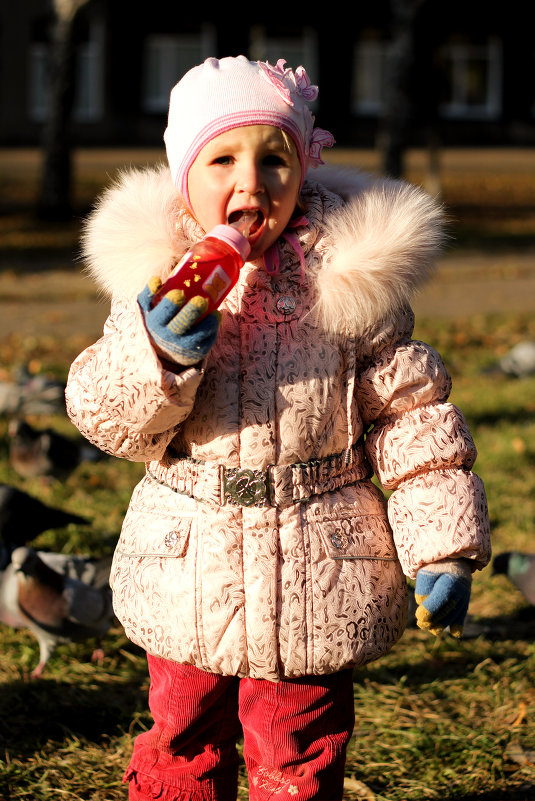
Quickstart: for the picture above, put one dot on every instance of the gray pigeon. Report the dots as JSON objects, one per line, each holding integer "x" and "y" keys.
{"x": 45, "y": 452}
{"x": 519, "y": 569}
{"x": 23, "y": 517}
{"x": 31, "y": 394}
{"x": 59, "y": 598}
{"x": 519, "y": 362}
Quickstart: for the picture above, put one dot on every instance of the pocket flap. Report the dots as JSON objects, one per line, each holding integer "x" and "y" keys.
{"x": 156, "y": 523}
{"x": 361, "y": 537}
{"x": 151, "y": 535}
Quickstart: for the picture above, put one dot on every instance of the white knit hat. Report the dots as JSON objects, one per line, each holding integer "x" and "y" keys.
{"x": 231, "y": 92}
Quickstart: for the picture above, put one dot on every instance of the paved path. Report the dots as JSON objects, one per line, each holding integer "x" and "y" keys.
{"x": 60, "y": 301}
{"x": 468, "y": 284}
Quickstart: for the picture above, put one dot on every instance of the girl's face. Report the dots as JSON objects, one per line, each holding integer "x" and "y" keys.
{"x": 253, "y": 167}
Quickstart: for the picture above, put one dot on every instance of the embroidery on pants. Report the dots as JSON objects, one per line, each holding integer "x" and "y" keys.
{"x": 274, "y": 781}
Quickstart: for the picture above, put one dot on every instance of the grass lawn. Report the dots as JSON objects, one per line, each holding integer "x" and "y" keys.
{"x": 435, "y": 719}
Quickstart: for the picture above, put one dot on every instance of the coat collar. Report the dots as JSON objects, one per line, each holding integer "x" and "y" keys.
{"x": 376, "y": 240}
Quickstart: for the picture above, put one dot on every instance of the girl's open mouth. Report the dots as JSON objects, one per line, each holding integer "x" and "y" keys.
{"x": 256, "y": 224}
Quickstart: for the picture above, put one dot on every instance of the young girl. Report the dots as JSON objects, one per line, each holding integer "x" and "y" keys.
{"x": 258, "y": 563}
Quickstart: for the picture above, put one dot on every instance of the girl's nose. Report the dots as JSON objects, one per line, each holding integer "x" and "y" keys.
{"x": 250, "y": 180}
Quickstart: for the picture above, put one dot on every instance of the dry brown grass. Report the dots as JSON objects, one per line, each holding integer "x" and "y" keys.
{"x": 436, "y": 719}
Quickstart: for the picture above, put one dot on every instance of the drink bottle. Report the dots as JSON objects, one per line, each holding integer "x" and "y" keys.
{"x": 212, "y": 266}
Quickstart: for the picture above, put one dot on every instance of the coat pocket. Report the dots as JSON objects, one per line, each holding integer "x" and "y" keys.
{"x": 357, "y": 586}
{"x": 158, "y": 523}
{"x": 357, "y": 537}
{"x": 353, "y": 526}
{"x": 153, "y": 573}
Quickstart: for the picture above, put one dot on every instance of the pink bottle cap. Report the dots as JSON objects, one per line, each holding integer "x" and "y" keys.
{"x": 233, "y": 238}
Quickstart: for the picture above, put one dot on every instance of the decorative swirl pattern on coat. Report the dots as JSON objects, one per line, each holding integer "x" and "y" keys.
{"x": 315, "y": 586}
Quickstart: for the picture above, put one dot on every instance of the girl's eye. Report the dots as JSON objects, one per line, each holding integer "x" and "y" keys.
{"x": 223, "y": 160}
{"x": 274, "y": 160}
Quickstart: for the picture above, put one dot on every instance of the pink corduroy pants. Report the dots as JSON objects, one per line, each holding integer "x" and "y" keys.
{"x": 295, "y": 733}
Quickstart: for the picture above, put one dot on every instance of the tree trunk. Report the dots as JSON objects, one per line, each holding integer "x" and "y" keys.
{"x": 55, "y": 193}
{"x": 394, "y": 123}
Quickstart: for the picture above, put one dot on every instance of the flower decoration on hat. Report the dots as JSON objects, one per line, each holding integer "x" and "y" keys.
{"x": 319, "y": 138}
{"x": 304, "y": 87}
{"x": 296, "y": 90}
{"x": 283, "y": 80}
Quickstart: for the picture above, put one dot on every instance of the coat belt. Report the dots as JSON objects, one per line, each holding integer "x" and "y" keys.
{"x": 277, "y": 485}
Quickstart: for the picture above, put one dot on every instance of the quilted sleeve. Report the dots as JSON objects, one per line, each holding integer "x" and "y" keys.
{"x": 421, "y": 449}
{"x": 121, "y": 397}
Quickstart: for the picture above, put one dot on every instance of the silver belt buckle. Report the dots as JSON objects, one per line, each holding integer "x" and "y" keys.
{"x": 246, "y": 487}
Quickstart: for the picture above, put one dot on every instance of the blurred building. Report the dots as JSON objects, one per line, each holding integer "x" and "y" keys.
{"x": 468, "y": 79}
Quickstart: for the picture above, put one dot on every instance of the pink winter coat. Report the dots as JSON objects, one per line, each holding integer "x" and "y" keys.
{"x": 256, "y": 544}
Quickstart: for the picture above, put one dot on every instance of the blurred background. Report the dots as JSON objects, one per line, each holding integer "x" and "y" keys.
{"x": 457, "y": 71}
{"x": 441, "y": 94}
{"x": 393, "y": 74}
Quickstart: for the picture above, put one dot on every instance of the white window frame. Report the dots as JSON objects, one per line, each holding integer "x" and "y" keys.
{"x": 88, "y": 103}
{"x": 166, "y": 59}
{"x": 459, "y": 56}
{"x": 89, "y": 97}
{"x": 368, "y": 79}
{"x": 38, "y": 85}
{"x": 297, "y": 50}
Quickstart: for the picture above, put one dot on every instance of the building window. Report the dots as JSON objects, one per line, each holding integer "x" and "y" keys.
{"x": 368, "y": 79}
{"x": 473, "y": 80}
{"x": 88, "y": 102}
{"x": 167, "y": 58}
{"x": 38, "y": 82}
{"x": 298, "y": 50}
{"x": 88, "y": 90}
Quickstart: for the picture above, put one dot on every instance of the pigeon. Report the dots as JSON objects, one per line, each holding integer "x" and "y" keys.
{"x": 45, "y": 452}
{"x": 519, "y": 362}
{"x": 59, "y": 598}
{"x": 32, "y": 394}
{"x": 23, "y": 517}
{"x": 519, "y": 569}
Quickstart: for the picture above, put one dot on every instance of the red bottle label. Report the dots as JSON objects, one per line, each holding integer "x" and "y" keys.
{"x": 217, "y": 284}
{"x": 205, "y": 271}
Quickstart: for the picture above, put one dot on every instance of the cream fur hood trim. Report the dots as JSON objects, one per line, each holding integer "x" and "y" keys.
{"x": 131, "y": 233}
{"x": 380, "y": 243}
{"x": 385, "y": 240}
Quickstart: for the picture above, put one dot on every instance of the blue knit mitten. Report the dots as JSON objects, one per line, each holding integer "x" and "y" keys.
{"x": 172, "y": 324}
{"x": 442, "y": 593}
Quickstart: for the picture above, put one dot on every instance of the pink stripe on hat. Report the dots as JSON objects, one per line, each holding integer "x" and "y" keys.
{"x": 219, "y": 95}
